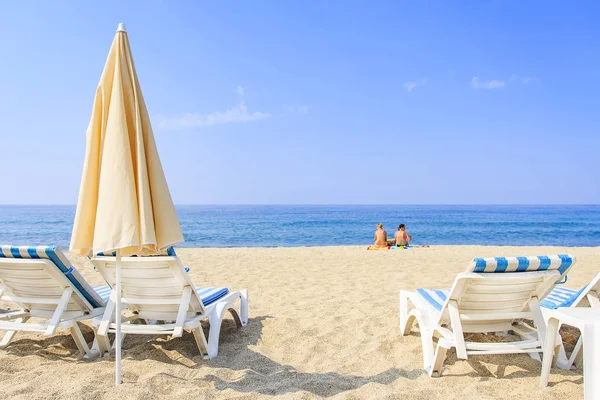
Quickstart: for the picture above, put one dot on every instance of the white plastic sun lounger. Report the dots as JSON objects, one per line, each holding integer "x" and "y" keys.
{"x": 158, "y": 289}
{"x": 565, "y": 297}
{"x": 41, "y": 283}
{"x": 489, "y": 297}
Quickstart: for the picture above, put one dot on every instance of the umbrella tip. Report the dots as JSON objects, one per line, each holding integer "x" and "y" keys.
{"x": 121, "y": 28}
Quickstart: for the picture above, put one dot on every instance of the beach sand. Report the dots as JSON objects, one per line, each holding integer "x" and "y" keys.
{"x": 323, "y": 323}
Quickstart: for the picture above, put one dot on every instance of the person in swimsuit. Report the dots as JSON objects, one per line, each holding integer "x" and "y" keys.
{"x": 402, "y": 237}
{"x": 380, "y": 236}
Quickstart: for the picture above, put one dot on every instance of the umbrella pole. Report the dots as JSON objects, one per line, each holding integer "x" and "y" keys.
{"x": 118, "y": 321}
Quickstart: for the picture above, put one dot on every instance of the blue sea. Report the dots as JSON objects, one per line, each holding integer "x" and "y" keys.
{"x": 269, "y": 226}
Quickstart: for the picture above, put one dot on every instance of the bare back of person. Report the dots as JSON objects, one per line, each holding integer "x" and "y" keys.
{"x": 380, "y": 236}
{"x": 401, "y": 239}
{"x": 401, "y": 236}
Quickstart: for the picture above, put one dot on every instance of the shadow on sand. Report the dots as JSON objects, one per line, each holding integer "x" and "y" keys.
{"x": 520, "y": 365}
{"x": 244, "y": 370}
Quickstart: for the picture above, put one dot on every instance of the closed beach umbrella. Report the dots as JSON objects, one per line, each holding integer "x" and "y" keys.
{"x": 124, "y": 202}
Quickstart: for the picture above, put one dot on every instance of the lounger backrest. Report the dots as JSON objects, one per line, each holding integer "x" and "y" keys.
{"x": 36, "y": 276}
{"x": 592, "y": 289}
{"x": 145, "y": 279}
{"x": 504, "y": 285}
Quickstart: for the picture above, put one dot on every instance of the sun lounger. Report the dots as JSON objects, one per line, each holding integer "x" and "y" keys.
{"x": 41, "y": 283}
{"x": 489, "y": 297}
{"x": 560, "y": 296}
{"x": 159, "y": 290}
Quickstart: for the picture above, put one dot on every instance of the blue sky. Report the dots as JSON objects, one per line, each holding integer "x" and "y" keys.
{"x": 306, "y": 102}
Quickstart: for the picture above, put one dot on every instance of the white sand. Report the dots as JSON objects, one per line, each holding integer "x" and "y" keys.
{"x": 323, "y": 322}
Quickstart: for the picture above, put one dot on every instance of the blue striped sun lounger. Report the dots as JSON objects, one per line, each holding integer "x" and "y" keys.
{"x": 560, "y": 262}
{"x": 171, "y": 301}
{"x": 42, "y": 283}
{"x": 490, "y": 296}
{"x": 564, "y": 297}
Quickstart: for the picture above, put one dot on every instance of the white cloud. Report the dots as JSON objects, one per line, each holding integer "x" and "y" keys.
{"x": 410, "y": 85}
{"x": 240, "y": 91}
{"x": 239, "y": 113}
{"x": 526, "y": 79}
{"x": 295, "y": 109}
{"x": 476, "y": 83}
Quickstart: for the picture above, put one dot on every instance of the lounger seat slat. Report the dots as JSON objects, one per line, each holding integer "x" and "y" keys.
{"x": 154, "y": 290}
{"x": 494, "y": 305}
{"x": 499, "y": 289}
{"x": 519, "y": 297}
{"x": 474, "y": 316}
{"x": 506, "y": 350}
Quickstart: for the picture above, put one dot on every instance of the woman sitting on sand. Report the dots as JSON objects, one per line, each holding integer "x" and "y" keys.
{"x": 380, "y": 236}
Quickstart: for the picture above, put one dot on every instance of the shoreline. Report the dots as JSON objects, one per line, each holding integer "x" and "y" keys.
{"x": 416, "y": 246}
{"x": 366, "y": 245}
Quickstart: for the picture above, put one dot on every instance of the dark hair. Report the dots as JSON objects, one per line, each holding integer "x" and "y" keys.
{"x": 401, "y": 226}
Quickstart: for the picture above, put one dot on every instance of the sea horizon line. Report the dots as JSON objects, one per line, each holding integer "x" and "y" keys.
{"x": 329, "y": 204}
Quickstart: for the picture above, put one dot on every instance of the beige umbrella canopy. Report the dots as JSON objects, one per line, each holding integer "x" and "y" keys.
{"x": 124, "y": 201}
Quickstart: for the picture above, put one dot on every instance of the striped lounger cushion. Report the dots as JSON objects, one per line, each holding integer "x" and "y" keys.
{"x": 54, "y": 254}
{"x": 560, "y": 297}
{"x": 435, "y": 297}
{"x": 560, "y": 262}
{"x": 208, "y": 295}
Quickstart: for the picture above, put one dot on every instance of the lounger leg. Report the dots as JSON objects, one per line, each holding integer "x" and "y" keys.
{"x": 244, "y": 307}
{"x": 562, "y": 361}
{"x": 9, "y": 336}
{"x": 215, "y": 320}
{"x": 234, "y": 312}
{"x": 101, "y": 342}
{"x": 540, "y": 325}
{"x": 79, "y": 339}
{"x": 235, "y": 316}
{"x": 101, "y": 345}
{"x": 578, "y": 352}
{"x": 406, "y": 320}
{"x": 439, "y": 358}
{"x": 201, "y": 341}
{"x": 61, "y": 307}
{"x": 427, "y": 344}
{"x": 109, "y": 311}
{"x": 549, "y": 345}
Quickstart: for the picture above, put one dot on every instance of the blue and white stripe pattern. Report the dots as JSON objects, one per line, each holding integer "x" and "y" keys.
{"x": 207, "y": 295}
{"x": 57, "y": 257}
{"x": 103, "y": 292}
{"x": 560, "y": 262}
{"x": 435, "y": 297}
{"x": 210, "y": 295}
{"x": 561, "y": 297}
